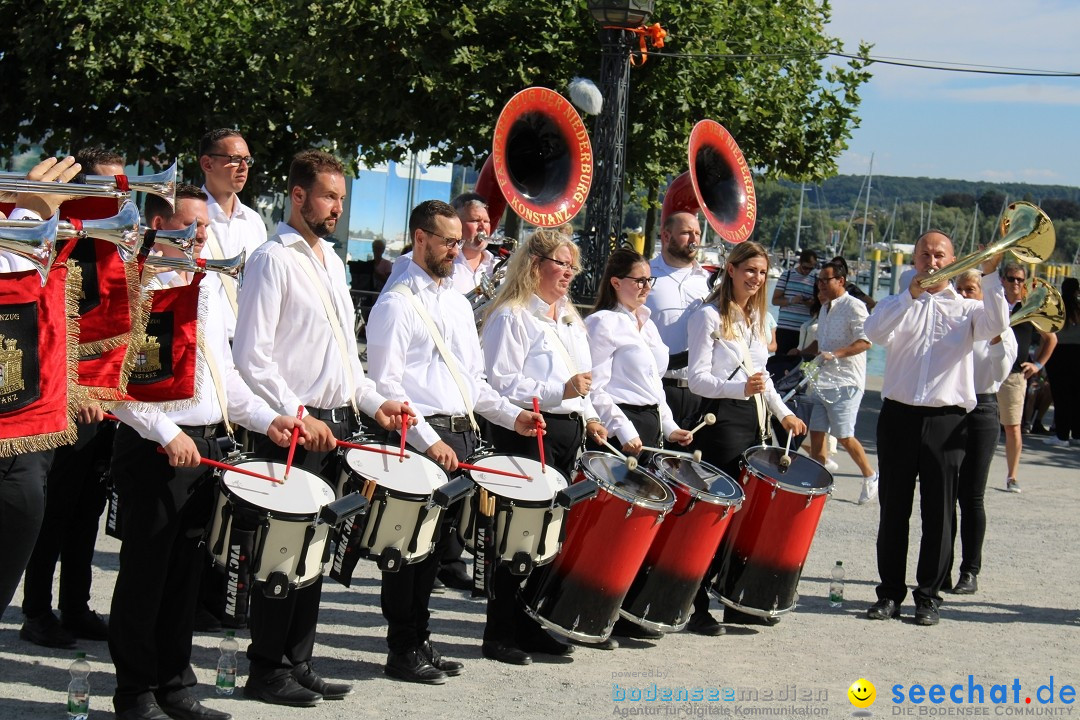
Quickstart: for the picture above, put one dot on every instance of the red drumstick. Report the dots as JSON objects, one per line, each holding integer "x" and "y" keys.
{"x": 493, "y": 471}
{"x": 292, "y": 443}
{"x": 231, "y": 468}
{"x": 354, "y": 446}
{"x": 539, "y": 435}
{"x": 404, "y": 430}
{"x": 110, "y": 416}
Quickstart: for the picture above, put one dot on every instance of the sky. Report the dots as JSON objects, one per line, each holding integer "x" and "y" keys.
{"x": 928, "y": 123}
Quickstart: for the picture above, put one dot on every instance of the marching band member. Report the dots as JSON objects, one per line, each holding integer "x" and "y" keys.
{"x": 294, "y": 346}
{"x": 407, "y": 364}
{"x": 166, "y": 503}
{"x": 474, "y": 261}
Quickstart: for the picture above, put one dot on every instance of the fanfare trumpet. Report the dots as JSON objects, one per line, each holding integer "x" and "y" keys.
{"x": 35, "y": 243}
{"x": 180, "y": 239}
{"x": 1044, "y": 308}
{"x": 122, "y": 229}
{"x": 162, "y": 184}
{"x": 233, "y": 267}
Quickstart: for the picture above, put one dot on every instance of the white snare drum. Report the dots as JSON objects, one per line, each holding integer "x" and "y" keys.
{"x": 272, "y": 528}
{"x": 402, "y": 524}
{"x": 528, "y": 520}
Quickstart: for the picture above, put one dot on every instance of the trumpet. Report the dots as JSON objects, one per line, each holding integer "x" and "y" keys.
{"x": 35, "y": 243}
{"x": 180, "y": 239}
{"x": 162, "y": 184}
{"x": 232, "y": 267}
{"x": 1044, "y": 308}
{"x": 122, "y": 229}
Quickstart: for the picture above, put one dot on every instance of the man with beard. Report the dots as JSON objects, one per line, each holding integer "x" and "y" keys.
{"x": 408, "y": 364}
{"x": 294, "y": 347}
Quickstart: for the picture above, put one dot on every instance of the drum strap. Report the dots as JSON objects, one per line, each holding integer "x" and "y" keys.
{"x": 440, "y": 343}
{"x": 335, "y": 325}
{"x": 219, "y": 385}
{"x": 560, "y": 347}
{"x": 227, "y": 283}
{"x": 759, "y": 399}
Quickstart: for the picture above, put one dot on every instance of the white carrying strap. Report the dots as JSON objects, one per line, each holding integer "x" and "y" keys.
{"x": 759, "y": 398}
{"x": 227, "y": 283}
{"x": 560, "y": 347}
{"x": 219, "y": 384}
{"x": 332, "y": 318}
{"x": 440, "y": 343}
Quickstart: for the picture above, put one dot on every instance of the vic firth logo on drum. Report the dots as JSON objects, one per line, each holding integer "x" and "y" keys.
{"x": 234, "y": 585}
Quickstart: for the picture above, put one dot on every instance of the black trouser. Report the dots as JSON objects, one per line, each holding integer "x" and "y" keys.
{"x": 646, "y": 420}
{"x": 22, "y": 506}
{"x": 1062, "y": 372}
{"x": 736, "y": 428}
{"x": 926, "y": 443}
{"x": 406, "y": 593}
{"x": 283, "y": 629}
{"x": 562, "y": 441}
{"x": 73, "y": 504}
{"x": 786, "y": 339}
{"x": 685, "y": 406}
{"x": 163, "y": 514}
{"x": 982, "y": 438}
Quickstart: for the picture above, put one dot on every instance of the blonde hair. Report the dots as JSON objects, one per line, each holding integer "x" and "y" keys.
{"x": 974, "y": 275}
{"x": 523, "y": 271}
{"x": 723, "y": 295}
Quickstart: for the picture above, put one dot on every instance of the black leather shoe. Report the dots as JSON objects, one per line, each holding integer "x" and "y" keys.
{"x": 540, "y": 642}
{"x": 189, "y": 708}
{"x": 87, "y": 625}
{"x": 46, "y": 631}
{"x": 282, "y": 691}
{"x": 413, "y": 666}
{"x": 626, "y": 628}
{"x": 609, "y": 644}
{"x": 454, "y": 576}
{"x": 501, "y": 652}
{"x": 143, "y": 712}
{"x": 307, "y": 677}
{"x": 452, "y": 668}
{"x": 926, "y": 613}
{"x": 705, "y": 624}
{"x": 966, "y": 585}
{"x": 884, "y": 609}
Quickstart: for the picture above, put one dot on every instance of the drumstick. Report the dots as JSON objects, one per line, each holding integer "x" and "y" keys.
{"x": 493, "y": 471}
{"x": 354, "y": 446}
{"x": 230, "y": 468}
{"x": 404, "y": 430}
{"x": 539, "y": 436}
{"x": 695, "y": 456}
{"x": 785, "y": 459}
{"x": 631, "y": 462}
{"x": 709, "y": 419}
{"x": 110, "y": 416}
{"x": 292, "y": 443}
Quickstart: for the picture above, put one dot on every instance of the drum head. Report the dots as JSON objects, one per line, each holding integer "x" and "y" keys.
{"x": 804, "y": 476}
{"x": 304, "y": 493}
{"x": 542, "y": 484}
{"x": 415, "y": 475}
{"x": 704, "y": 481}
{"x": 634, "y": 486}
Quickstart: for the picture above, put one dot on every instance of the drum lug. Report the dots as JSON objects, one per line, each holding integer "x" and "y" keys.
{"x": 645, "y": 612}
{"x": 628, "y": 511}
{"x": 774, "y": 490}
{"x": 809, "y": 499}
{"x": 659, "y": 518}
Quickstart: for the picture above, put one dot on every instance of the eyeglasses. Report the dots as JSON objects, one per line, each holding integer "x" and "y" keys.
{"x": 235, "y": 159}
{"x": 564, "y": 265}
{"x": 823, "y": 280}
{"x": 641, "y": 282}
{"x": 450, "y": 243}
{"x": 1014, "y": 279}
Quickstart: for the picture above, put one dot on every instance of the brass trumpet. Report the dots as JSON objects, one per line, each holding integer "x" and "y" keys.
{"x": 162, "y": 184}
{"x": 122, "y": 229}
{"x": 233, "y": 267}
{"x": 1025, "y": 230}
{"x": 180, "y": 239}
{"x": 35, "y": 243}
{"x": 1044, "y": 308}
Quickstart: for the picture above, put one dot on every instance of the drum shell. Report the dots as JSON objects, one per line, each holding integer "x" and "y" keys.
{"x": 761, "y": 557}
{"x": 526, "y": 529}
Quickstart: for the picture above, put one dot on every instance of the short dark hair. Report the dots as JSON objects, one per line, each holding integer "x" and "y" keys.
{"x": 422, "y": 215}
{"x": 306, "y": 164}
{"x": 620, "y": 263}
{"x": 92, "y": 157}
{"x": 464, "y": 200}
{"x": 839, "y": 268}
{"x": 842, "y": 262}
{"x": 807, "y": 255}
{"x": 159, "y": 207}
{"x": 210, "y": 140}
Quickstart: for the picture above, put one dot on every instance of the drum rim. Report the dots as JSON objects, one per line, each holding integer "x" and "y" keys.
{"x": 662, "y": 506}
{"x": 477, "y": 458}
{"x": 698, "y": 493}
{"x": 238, "y": 499}
{"x": 350, "y": 469}
{"x": 794, "y": 489}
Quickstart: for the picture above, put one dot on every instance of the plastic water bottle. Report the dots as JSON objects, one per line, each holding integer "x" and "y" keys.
{"x": 836, "y": 585}
{"x": 78, "y": 701}
{"x": 226, "y": 665}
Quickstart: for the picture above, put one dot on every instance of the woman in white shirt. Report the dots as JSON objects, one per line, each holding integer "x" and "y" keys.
{"x": 629, "y": 358}
{"x": 728, "y": 350}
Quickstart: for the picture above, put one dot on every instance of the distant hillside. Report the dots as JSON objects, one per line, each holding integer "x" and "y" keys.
{"x": 843, "y": 190}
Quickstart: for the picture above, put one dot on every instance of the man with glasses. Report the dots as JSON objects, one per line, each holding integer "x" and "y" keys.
{"x": 794, "y": 294}
{"x": 837, "y": 392}
{"x": 1011, "y": 394}
{"x": 226, "y": 163}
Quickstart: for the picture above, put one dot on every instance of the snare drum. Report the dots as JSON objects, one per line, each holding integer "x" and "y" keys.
{"x": 761, "y": 557}
{"x": 579, "y": 594}
{"x": 402, "y": 525}
{"x": 527, "y": 521}
{"x": 272, "y": 528}
{"x": 662, "y": 596}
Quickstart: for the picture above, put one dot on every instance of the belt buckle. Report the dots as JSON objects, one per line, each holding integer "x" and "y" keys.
{"x": 334, "y": 415}
{"x": 459, "y": 423}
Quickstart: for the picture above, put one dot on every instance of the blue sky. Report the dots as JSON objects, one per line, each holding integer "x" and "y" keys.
{"x": 963, "y": 126}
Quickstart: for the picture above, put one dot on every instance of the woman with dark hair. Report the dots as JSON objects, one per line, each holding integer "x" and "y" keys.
{"x": 1061, "y": 369}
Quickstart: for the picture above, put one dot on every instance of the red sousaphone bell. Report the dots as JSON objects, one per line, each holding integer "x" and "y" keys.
{"x": 718, "y": 183}
{"x": 541, "y": 160}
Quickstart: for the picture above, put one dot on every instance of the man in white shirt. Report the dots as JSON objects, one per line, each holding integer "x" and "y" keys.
{"x": 927, "y": 390}
{"x": 838, "y": 390}
{"x": 474, "y": 262}
{"x": 295, "y": 348}
{"x": 680, "y": 285}
{"x": 407, "y": 365}
{"x": 234, "y": 227}
{"x": 166, "y": 503}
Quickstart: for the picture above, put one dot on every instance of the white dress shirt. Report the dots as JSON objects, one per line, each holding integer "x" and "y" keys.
{"x": 673, "y": 300}
{"x": 10, "y": 262}
{"x": 993, "y": 363}
{"x": 284, "y": 345}
{"x": 713, "y": 361}
{"x": 243, "y": 231}
{"x": 245, "y": 408}
{"x": 628, "y": 361}
{"x": 522, "y": 363}
{"x": 401, "y": 264}
{"x": 406, "y": 364}
{"x": 929, "y": 341}
{"x": 465, "y": 278}
{"x": 840, "y": 323}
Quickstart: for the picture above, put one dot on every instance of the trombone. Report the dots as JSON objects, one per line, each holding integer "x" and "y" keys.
{"x": 162, "y": 184}
{"x": 1043, "y": 308}
{"x": 122, "y": 229}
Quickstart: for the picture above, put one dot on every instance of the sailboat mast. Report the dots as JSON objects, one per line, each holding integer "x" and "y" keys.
{"x": 866, "y": 208}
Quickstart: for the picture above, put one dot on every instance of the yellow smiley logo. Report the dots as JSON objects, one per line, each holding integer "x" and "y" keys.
{"x": 862, "y": 693}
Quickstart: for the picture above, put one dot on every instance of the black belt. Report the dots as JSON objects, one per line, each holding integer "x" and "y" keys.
{"x": 574, "y": 416}
{"x": 985, "y": 397}
{"x": 924, "y": 410}
{"x": 453, "y": 423}
{"x": 675, "y": 382}
{"x": 337, "y": 415}
{"x": 203, "y": 431}
{"x": 639, "y": 408}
